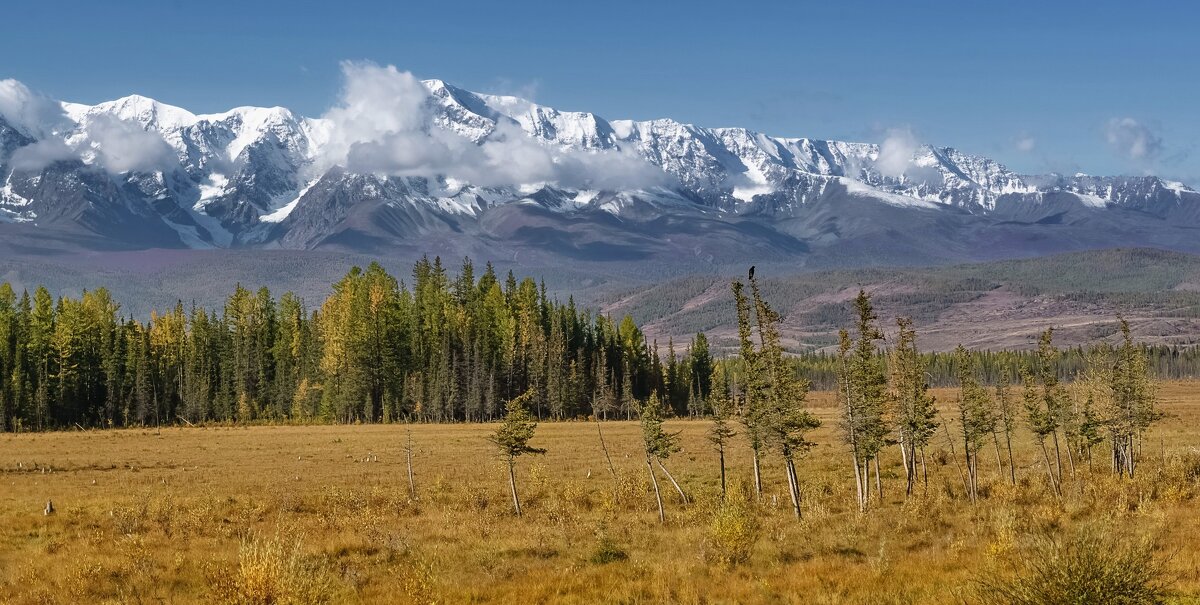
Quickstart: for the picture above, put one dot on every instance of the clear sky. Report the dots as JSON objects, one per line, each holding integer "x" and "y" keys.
{"x": 1101, "y": 87}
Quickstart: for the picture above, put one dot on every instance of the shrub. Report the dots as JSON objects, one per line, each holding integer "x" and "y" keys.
{"x": 271, "y": 572}
{"x": 734, "y": 530}
{"x": 1086, "y": 568}
{"x": 607, "y": 551}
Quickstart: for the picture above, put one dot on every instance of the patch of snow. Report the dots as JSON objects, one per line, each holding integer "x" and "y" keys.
{"x": 283, "y": 212}
{"x": 189, "y": 235}
{"x": 584, "y": 197}
{"x": 860, "y": 189}
{"x": 211, "y": 188}
{"x": 1091, "y": 201}
{"x": 459, "y": 204}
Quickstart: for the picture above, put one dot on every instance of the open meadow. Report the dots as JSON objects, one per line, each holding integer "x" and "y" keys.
{"x": 309, "y": 514}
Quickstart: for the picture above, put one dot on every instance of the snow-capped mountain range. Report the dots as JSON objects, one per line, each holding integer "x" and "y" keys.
{"x": 500, "y": 173}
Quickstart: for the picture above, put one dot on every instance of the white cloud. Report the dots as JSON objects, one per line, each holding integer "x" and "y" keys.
{"x": 34, "y": 114}
{"x": 896, "y": 152}
{"x": 1025, "y": 143}
{"x": 383, "y": 124}
{"x": 117, "y": 145}
{"x": 1132, "y": 139}
{"x": 121, "y": 146}
{"x": 36, "y": 156}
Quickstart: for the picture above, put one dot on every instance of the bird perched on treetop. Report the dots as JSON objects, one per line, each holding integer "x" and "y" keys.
{"x": 751, "y": 276}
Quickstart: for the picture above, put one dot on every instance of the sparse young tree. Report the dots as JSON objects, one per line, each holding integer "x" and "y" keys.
{"x": 1006, "y": 420}
{"x": 659, "y": 445}
{"x": 1133, "y": 406}
{"x": 850, "y": 419}
{"x": 862, "y": 388}
{"x": 753, "y": 385}
{"x": 782, "y": 395}
{"x": 1044, "y": 402}
{"x": 721, "y": 431}
{"x": 975, "y": 417}
{"x": 512, "y": 438}
{"x": 912, "y": 401}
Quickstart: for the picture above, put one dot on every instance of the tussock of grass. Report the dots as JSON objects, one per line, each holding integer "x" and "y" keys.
{"x": 1088, "y": 567}
{"x": 271, "y": 571}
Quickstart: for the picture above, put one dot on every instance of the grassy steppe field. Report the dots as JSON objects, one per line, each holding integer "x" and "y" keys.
{"x": 300, "y": 514}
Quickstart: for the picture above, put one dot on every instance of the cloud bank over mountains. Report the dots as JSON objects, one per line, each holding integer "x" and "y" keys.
{"x": 383, "y": 123}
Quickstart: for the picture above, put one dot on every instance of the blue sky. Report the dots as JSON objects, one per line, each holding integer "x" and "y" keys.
{"x": 1100, "y": 87}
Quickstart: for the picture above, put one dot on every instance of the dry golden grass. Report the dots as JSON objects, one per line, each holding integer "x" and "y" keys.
{"x": 283, "y": 514}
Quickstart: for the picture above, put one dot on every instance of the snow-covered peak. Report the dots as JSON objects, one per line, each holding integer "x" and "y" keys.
{"x": 144, "y": 111}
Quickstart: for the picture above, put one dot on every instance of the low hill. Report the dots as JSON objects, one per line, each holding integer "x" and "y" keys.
{"x": 992, "y": 305}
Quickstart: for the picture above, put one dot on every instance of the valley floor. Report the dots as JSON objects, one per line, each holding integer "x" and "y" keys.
{"x": 277, "y": 514}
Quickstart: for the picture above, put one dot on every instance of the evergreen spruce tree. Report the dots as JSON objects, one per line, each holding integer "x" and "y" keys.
{"x": 975, "y": 418}
{"x": 721, "y": 431}
{"x": 914, "y": 404}
{"x": 862, "y": 388}
{"x": 659, "y": 445}
{"x": 512, "y": 438}
{"x": 1006, "y": 419}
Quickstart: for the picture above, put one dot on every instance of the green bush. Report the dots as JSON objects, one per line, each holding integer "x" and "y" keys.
{"x": 607, "y": 551}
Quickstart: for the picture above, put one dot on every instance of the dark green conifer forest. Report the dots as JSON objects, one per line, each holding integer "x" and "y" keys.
{"x": 435, "y": 347}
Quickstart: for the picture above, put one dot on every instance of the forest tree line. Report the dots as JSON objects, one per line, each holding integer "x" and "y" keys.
{"x": 1165, "y": 362}
{"x": 439, "y": 348}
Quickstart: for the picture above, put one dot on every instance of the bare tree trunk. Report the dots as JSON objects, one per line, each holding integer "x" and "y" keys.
{"x": 1132, "y": 455}
{"x": 957, "y": 464}
{"x": 1012, "y": 467}
{"x": 908, "y": 476}
{"x": 858, "y": 486}
{"x": 793, "y": 485}
{"x": 924, "y": 471}
{"x": 912, "y": 469}
{"x": 1050, "y": 470}
{"x": 604, "y": 447}
{"x": 408, "y": 452}
{"x": 1117, "y": 468}
{"x": 512, "y": 484}
{"x": 662, "y": 518}
{"x": 673, "y": 481}
{"x": 721, "y": 454}
{"x": 999, "y": 462}
{"x": 866, "y": 476}
{"x": 973, "y": 474}
{"x": 878, "y": 480}
{"x": 757, "y": 475}
{"x": 1071, "y": 458}
{"x": 1057, "y": 458}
